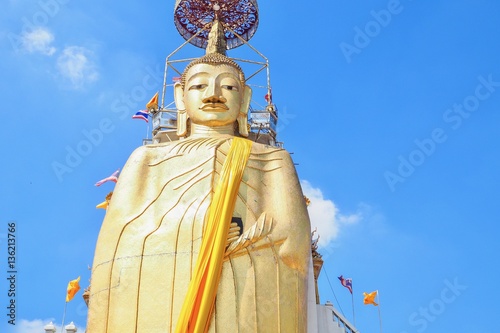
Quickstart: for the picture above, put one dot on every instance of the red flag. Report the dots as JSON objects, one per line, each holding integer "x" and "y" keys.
{"x": 269, "y": 97}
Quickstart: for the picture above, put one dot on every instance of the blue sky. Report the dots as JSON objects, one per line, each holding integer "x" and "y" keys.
{"x": 391, "y": 110}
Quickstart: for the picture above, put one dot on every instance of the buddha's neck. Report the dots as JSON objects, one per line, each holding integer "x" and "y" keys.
{"x": 202, "y": 131}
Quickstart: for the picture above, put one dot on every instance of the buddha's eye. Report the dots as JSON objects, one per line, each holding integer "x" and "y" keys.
{"x": 197, "y": 86}
{"x": 228, "y": 87}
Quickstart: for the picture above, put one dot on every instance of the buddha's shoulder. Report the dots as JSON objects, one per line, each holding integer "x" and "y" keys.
{"x": 188, "y": 148}
{"x": 266, "y": 152}
{"x": 260, "y": 148}
{"x": 153, "y": 150}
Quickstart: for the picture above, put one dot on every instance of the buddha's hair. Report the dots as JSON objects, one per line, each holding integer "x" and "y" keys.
{"x": 214, "y": 59}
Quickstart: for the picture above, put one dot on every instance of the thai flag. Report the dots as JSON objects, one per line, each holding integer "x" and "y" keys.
{"x": 346, "y": 283}
{"x": 141, "y": 114}
{"x": 112, "y": 178}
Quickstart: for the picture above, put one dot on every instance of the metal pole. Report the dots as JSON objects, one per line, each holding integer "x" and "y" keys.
{"x": 353, "y": 315}
{"x": 379, "y": 315}
{"x": 170, "y": 55}
{"x": 256, "y": 51}
{"x": 328, "y": 279}
{"x": 64, "y": 316}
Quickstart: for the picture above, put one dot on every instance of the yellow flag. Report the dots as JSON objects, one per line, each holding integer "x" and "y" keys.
{"x": 73, "y": 287}
{"x": 370, "y": 298}
{"x": 105, "y": 204}
{"x": 153, "y": 103}
{"x": 102, "y": 205}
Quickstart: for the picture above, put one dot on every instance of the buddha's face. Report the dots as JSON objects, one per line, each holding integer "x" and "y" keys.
{"x": 213, "y": 95}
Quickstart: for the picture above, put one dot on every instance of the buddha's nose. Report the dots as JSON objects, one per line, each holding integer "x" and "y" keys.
{"x": 215, "y": 99}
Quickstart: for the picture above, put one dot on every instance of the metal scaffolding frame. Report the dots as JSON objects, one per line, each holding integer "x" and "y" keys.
{"x": 262, "y": 118}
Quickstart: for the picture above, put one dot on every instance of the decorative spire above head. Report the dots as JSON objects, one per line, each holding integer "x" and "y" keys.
{"x": 216, "y": 39}
{"x": 238, "y": 17}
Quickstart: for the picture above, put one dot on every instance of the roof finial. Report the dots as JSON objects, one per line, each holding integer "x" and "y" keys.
{"x": 216, "y": 39}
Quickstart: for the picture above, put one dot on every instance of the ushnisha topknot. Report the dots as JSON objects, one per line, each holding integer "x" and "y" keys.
{"x": 215, "y": 53}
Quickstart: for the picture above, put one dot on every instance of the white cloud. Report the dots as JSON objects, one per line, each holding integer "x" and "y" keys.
{"x": 75, "y": 64}
{"x": 325, "y": 216}
{"x": 38, "y": 40}
{"x": 37, "y": 326}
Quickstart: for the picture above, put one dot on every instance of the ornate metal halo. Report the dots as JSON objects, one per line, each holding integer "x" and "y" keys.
{"x": 240, "y": 16}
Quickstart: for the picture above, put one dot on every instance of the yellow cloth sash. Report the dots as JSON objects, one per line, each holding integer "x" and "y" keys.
{"x": 200, "y": 299}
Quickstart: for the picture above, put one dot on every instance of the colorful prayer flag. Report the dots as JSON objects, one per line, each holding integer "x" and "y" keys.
{"x": 73, "y": 287}
{"x": 370, "y": 298}
{"x": 112, "y": 178}
{"x": 153, "y": 103}
{"x": 346, "y": 283}
{"x": 141, "y": 114}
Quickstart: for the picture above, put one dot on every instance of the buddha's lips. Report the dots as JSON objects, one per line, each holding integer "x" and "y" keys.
{"x": 214, "y": 107}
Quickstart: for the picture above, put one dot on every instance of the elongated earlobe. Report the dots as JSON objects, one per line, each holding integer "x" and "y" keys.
{"x": 179, "y": 96}
{"x": 182, "y": 119}
{"x": 242, "y": 125}
{"x": 182, "y": 116}
{"x": 245, "y": 100}
{"x": 242, "y": 117}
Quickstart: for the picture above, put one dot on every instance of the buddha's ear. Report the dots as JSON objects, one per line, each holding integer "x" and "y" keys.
{"x": 245, "y": 99}
{"x": 182, "y": 117}
{"x": 242, "y": 125}
{"x": 242, "y": 116}
{"x": 182, "y": 120}
{"x": 179, "y": 97}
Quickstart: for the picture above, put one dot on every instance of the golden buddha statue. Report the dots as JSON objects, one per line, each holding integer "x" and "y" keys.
{"x": 206, "y": 234}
